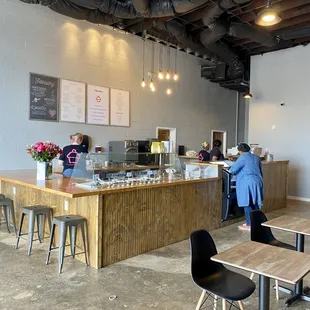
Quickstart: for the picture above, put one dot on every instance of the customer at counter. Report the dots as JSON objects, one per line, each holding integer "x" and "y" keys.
{"x": 216, "y": 153}
{"x": 71, "y": 154}
{"x": 204, "y": 154}
{"x": 249, "y": 182}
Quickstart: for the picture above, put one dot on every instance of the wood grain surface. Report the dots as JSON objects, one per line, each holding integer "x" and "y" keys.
{"x": 290, "y": 224}
{"x": 267, "y": 260}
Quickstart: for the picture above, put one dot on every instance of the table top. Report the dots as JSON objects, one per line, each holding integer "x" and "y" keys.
{"x": 270, "y": 261}
{"x": 291, "y": 224}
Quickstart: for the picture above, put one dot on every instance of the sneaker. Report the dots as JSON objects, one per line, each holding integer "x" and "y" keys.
{"x": 244, "y": 227}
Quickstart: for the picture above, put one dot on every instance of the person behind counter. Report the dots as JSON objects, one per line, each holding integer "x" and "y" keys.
{"x": 216, "y": 153}
{"x": 204, "y": 154}
{"x": 249, "y": 182}
{"x": 71, "y": 154}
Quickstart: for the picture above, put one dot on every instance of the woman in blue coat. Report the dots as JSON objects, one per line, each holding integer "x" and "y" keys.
{"x": 249, "y": 182}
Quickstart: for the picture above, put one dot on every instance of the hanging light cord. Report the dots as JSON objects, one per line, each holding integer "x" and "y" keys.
{"x": 168, "y": 54}
{"x": 175, "y": 60}
{"x": 160, "y": 56}
{"x": 153, "y": 52}
{"x": 143, "y": 38}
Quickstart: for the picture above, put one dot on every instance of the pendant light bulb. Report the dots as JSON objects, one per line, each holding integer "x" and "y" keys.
{"x": 143, "y": 84}
{"x": 160, "y": 75}
{"x": 168, "y": 76}
{"x": 153, "y": 88}
{"x": 176, "y": 77}
{"x": 169, "y": 91}
{"x": 152, "y": 84}
{"x": 247, "y": 95}
{"x": 268, "y": 16}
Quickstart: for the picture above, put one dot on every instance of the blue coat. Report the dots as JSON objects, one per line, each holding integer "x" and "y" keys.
{"x": 249, "y": 180}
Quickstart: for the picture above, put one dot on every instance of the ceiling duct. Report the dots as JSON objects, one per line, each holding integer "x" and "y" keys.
{"x": 294, "y": 34}
{"x": 210, "y": 18}
{"x": 244, "y": 31}
{"x": 179, "y": 31}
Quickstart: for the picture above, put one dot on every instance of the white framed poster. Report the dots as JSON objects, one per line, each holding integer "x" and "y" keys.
{"x": 98, "y": 105}
{"x": 120, "y": 108}
{"x": 72, "y": 101}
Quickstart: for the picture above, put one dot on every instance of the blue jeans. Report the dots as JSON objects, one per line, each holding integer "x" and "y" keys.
{"x": 67, "y": 173}
{"x": 247, "y": 211}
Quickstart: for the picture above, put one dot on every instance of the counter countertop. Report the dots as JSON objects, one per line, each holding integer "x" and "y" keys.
{"x": 65, "y": 186}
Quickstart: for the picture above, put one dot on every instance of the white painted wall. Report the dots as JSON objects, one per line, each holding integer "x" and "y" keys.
{"x": 36, "y": 39}
{"x": 283, "y": 76}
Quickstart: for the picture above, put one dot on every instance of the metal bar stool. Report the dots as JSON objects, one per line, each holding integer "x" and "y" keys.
{"x": 63, "y": 222}
{"x": 38, "y": 212}
{"x": 8, "y": 208}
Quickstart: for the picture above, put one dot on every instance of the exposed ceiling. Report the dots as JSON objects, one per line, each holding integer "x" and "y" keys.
{"x": 222, "y": 31}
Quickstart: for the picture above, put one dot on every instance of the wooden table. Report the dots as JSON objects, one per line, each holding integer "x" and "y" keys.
{"x": 300, "y": 227}
{"x": 268, "y": 262}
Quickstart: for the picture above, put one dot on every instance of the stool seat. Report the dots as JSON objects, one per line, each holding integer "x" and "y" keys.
{"x": 68, "y": 220}
{"x": 64, "y": 222}
{"x": 8, "y": 208}
{"x": 37, "y": 209}
{"x": 34, "y": 212}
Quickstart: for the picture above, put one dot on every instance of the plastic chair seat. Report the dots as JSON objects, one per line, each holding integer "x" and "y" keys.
{"x": 227, "y": 284}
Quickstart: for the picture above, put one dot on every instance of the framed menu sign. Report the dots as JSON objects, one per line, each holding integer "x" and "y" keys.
{"x": 43, "y": 98}
{"x": 72, "y": 101}
{"x": 98, "y": 105}
{"x": 120, "y": 108}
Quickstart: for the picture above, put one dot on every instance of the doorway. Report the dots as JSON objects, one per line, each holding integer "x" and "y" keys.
{"x": 222, "y": 136}
{"x": 167, "y": 134}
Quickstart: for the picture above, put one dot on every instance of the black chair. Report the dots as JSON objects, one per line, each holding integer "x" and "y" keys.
{"x": 213, "y": 277}
{"x": 263, "y": 234}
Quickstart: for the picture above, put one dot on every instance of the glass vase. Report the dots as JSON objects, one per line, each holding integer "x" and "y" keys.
{"x": 44, "y": 170}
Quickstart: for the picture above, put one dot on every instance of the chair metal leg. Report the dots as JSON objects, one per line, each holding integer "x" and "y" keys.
{"x": 13, "y": 218}
{"x": 84, "y": 242}
{"x": 50, "y": 244}
{"x": 20, "y": 229}
{"x": 31, "y": 218}
{"x": 73, "y": 230}
{"x": 252, "y": 276}
{"x": 62, "y": 245}
{"x": 203, "y": 294}
{"x": 240, "y": 305}
{"x": 277, "y": 289}
{"x": 39, "y": 226}
{"x": 7, "y": 220}
{"x": 215, "y": 302}
{"x": 223, "y": 304}
{"x": 49, "y": 220}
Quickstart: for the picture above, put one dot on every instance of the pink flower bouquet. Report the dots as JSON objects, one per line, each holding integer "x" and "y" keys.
{"x": 43, "y": 151}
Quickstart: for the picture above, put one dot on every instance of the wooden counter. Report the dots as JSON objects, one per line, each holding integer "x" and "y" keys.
{"x": 124, "y": 222}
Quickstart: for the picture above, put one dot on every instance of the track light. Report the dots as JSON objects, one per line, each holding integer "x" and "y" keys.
{"x": 247, "y": 95}
{"x": 268, "y": 16}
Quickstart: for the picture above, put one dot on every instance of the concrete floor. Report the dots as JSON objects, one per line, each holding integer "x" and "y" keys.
{"x": 159, "y": 279}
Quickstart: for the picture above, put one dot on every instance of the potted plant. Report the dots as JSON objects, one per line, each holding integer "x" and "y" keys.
{"x": 43, "y": 153}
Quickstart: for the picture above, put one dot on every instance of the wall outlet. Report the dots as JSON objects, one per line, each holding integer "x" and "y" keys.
{"x": 14, "y": 190}
{"x": 66, "y": 205}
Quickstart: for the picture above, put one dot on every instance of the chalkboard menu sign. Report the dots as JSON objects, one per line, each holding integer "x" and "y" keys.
{"x": 43, "y": 97}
